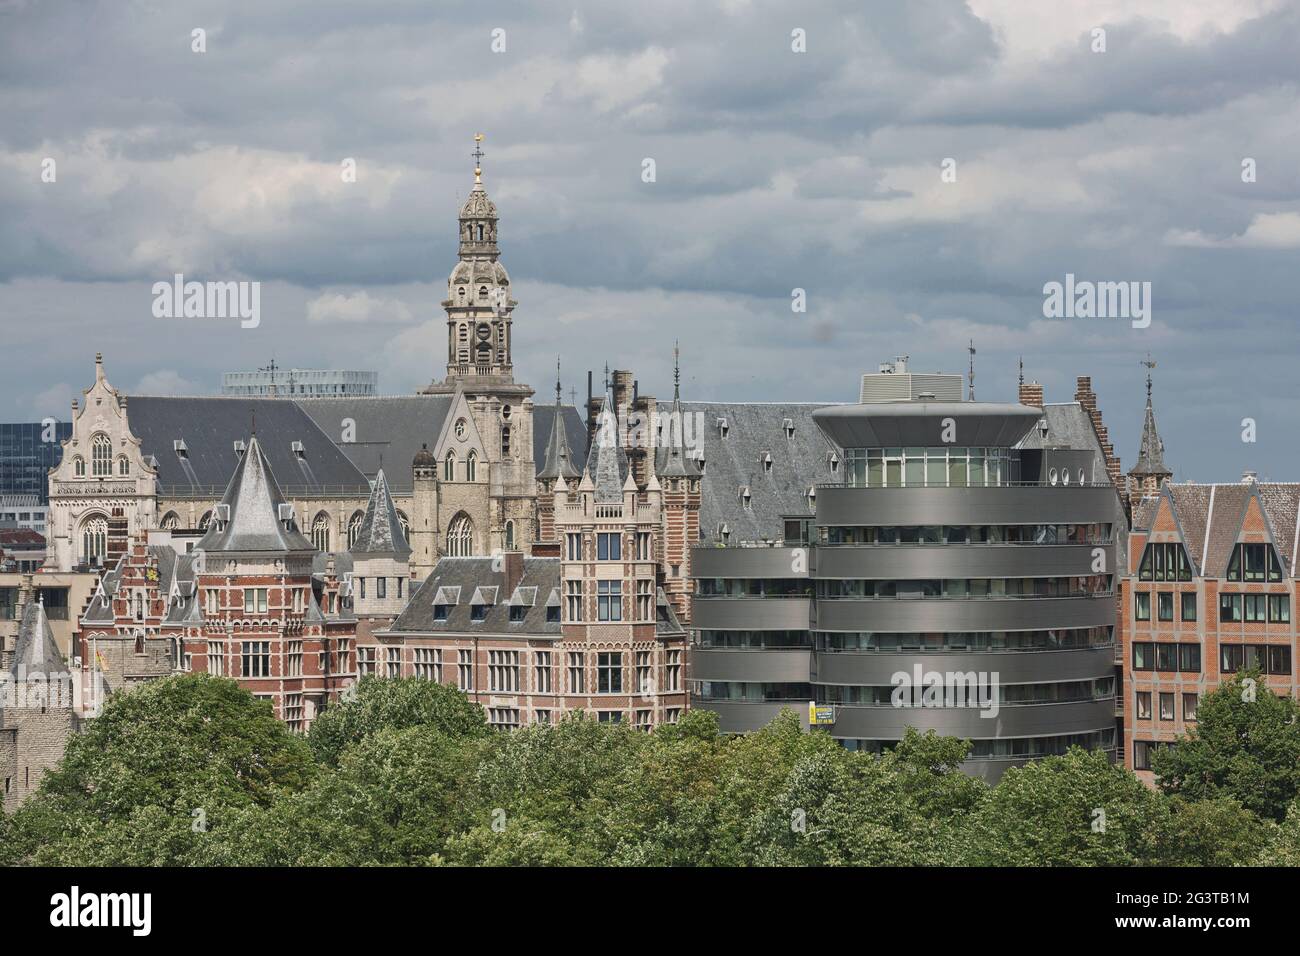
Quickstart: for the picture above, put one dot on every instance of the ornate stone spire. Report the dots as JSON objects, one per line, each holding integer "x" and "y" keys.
{"x": 478, "y": 216}
{"x": 381, "y": 529}
{"x": 559, "y": 459}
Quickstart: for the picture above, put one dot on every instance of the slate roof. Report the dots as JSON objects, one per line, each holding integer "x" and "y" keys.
{"x": 558, "y": 460}
{"x": 381, "y": 530}
{"x": 100, "y": 608}
{"x": 35, "y": 649}
{"x": 471, "y": 575}
{"x": 1070, "y": 426}
{"x": 211, "y": 426}
{"x": 606, "y": 459}
{"x": 799, "y": 462}
{"x": 1210, "y": 517}
{"x": 389, "y": 430}
{"x": 255, "y": 521}
{"x": 1151, "y": 454}
{"x": 575, "y": 433}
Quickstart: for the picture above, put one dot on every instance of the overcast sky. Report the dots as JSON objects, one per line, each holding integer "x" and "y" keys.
{"x": 775, "y": 170}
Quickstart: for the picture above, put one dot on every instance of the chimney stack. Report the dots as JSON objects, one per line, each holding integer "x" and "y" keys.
{"x": 1031, "y": 393}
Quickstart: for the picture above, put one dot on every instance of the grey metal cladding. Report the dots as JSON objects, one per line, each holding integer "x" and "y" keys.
{"x": 910, "y": 562}
{"x": 779, "y": 665}
{"x": 921, "y": 424}
{"x": 875, "y": 668}
{"x": 884, "y": 722}
{"x": 742, "y": 717}
{"x": 714, "y": 562}
{"x": 966, "y": 506}
{"x": 976, "y": 614}
{"x": 751, "y": 614}
{"x": 211, "y": 426}
{"x": 800, "y": 460}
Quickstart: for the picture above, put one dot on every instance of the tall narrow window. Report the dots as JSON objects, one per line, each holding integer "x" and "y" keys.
{"x": 449, "y": 467}
{"x": 471, "y": 466}
{"x": 101, "y": 456}
{"x": 460, "y": 537}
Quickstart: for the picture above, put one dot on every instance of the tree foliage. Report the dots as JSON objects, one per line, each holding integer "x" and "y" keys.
{"x": 408, "y": 773}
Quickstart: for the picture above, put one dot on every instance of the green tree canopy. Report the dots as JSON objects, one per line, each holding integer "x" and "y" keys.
{"x": 1245, "y": 745}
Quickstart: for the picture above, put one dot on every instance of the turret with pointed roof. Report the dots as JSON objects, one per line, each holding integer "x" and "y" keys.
{"x": 672, "y": 461}
{"x": 381, "y": 530}
{"x": 35, "y": 651}
{"x": 559, "y": 459}
{"x": 603, "y": 461}
{"x": 253, "y": 515}
{"x": 1150, "y": 472}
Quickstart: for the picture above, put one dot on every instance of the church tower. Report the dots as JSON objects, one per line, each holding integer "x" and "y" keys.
{"x": 480, "y": 313}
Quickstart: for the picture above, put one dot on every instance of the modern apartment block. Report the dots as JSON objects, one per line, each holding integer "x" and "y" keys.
{"x": 959, "y": 576}
{"x": 1210, "y": 593}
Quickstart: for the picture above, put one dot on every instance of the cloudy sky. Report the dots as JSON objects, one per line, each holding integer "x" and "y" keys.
{"x": 775, "y": 170}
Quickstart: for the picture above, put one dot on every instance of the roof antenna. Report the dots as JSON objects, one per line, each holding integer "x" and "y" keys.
{"x": 252, "y": 411}
{"x": 971, "y": 350}
{"x": 1022, "y": 370}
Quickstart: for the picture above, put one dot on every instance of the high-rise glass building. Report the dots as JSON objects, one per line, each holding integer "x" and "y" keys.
{"x": 26, "y": 456}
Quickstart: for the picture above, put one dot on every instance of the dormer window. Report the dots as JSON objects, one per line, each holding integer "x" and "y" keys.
{"x": 722, "y": 428}
{"x": 835, "y": 463}
{"x": 699, "y": 459}
{"x": 240, "y": 448}
{"x": 1042, "y": 427}
{"x": 788, "y": 425}
{"x": 766, "y": 459}
{"x": 812, "y": 495}
{"x": 745, "y": 496}
{"x": 724, "y": 532}
{"x": 223, "y": 515}
{"x": 297, "y": 449}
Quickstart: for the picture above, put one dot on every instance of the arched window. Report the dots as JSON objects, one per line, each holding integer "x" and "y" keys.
{"x": 123, "y": 467}
{"x": 471, "y": 466}
{"x": 101, "y": 456}
{"x": 406, "y": 524}
{"x": 320, "y": 531}
{"x": 205, "y": 521}
{"x": 460, "y": 536}
{"x": 510, "y": 535}
{"x": 480, "y": 232}
{"x": 79, "y": 467}
{"x": 354, "y": 527}
{"x": 449, "y": 467}
{"x": 171, "y": 521}
{"x": 94, "y": 539}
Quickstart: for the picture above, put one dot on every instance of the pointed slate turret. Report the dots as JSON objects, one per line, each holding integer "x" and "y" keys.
{"x": 672, "y": 460}
{"x": 253, "y": 515}
{"x": 603, "y": 460}
{"x": 381, "y": 529}
{"x": 1150, "y": 471}
{"x": 35, "y": 651}
{"x": 559, "y": 459}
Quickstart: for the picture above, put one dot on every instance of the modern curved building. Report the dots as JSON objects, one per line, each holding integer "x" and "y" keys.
{"x": 955, "y": 579}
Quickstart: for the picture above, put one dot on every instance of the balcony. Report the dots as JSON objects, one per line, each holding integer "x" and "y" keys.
{"x": 757, "y": 665}
{"x": 876, "y": 668}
